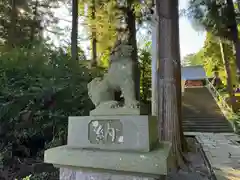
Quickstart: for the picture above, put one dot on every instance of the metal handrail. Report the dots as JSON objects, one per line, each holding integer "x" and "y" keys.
{"x": 218, "y": 96}
{"x": 225, "y": 108}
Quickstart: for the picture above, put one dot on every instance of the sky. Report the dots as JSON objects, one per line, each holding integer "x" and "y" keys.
{"x": 191, "y": 41}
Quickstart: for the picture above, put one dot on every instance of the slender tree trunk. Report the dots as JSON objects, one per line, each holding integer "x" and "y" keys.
{"x": 12, "y": 32}
{"x": 168, "y": 110}
{"x": 131, "y": 27}
{"x": 33, "y": 27}
{"x": 229, "y": 78}
{"x": 234, "y": 32}
{"x": 94, "y": 37}
{"x": 238, "y": 5}
{"x": 74, "y": 34}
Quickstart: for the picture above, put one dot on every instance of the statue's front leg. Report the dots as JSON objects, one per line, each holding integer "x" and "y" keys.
{"x": 128, "y": 90}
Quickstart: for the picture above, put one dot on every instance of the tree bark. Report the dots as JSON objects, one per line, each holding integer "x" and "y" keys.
{"x": 94, "y": 37}
{"x": 238, "y": 5}
{"x": 177, "y": 70}
{"x": 131, "y": 27}
{"x": 234, "y": 32}
{"x": 12, "y": 32}
{"x": 74, "y": 33}
{"x": 33, "y": 27}
{"x": 229, "y": 78}
{"x": 168, "y": 111}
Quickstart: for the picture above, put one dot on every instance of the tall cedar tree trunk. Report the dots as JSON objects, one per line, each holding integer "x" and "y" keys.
{"x": 228, "y": 73}
{"x": 168, "y": 111}
{"x": 33, "y": 27}
{"x": 94, "y": 37}
{"x": 177, "y": 70}
{"x": 74, "y": 34}
{"x": 234, "y": 31}
{"x": 131, "y": 27}
{"x": 12, "y": 32}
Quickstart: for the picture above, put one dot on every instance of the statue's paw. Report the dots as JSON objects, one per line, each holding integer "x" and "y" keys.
{"x": 133, "y": 104}
{"x": 111, "y": 104}
{"x": 114, "y": 105}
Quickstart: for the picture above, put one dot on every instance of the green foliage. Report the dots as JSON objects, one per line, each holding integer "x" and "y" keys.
{"x": 104, "y": 24}
{"x": 23, "y": 21}
{"x": 213, "y": 16}
{"x": 235, "y": 119}
{"x": 40, "y": 88}
{"x": 81, "y": 54}
{"x": 194, "y": 59}
{"x": 213, "y": 57}
{"x": 218, "y": 18}
{"x": 145, "y": 68}
{"x": 110, "y": 19}
{"x": 42, "y": 176}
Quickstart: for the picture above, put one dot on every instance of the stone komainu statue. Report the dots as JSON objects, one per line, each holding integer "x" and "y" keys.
{"x": 118, "y": 78}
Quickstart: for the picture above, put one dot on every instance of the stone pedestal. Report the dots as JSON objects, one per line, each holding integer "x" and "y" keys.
{"x": 129, "y": 133}
{"x": 111, "y": 148}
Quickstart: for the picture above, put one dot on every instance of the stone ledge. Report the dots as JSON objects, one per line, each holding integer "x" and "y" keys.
{"x": 152, "y": 163}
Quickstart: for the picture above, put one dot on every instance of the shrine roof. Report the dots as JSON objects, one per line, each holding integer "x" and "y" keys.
{"x": 193, "y": 73}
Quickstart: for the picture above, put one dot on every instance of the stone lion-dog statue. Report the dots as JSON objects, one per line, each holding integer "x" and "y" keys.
{"x": 118, "y": 78}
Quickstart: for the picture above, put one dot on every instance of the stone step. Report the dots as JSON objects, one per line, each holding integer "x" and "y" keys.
{"x": 204, "y": 117}
{"x": 192, "y": 124}
{"x": 205, "y": 120}
{"x": 208, "y": 131}
{"x": 204, "y": 129}
{"x": 206, "y": 126}
{"x": 201, "y": 112}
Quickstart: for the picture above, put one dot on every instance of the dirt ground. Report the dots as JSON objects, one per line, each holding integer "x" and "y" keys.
{"x": 197, "y": 169}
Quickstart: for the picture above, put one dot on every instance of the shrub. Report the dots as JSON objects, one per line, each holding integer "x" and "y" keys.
{"x": 40, "y": 88}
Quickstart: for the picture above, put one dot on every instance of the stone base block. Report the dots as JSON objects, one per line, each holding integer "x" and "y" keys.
{"x": 113, "y": 112}
{"x": 71, "y": 174}
{"x": 120, "y": 133}
{"x": 152, "y": 163}
{"x": 144, "y": 109}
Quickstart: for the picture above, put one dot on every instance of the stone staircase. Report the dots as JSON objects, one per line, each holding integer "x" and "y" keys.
{"x": 201, "y": 112}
